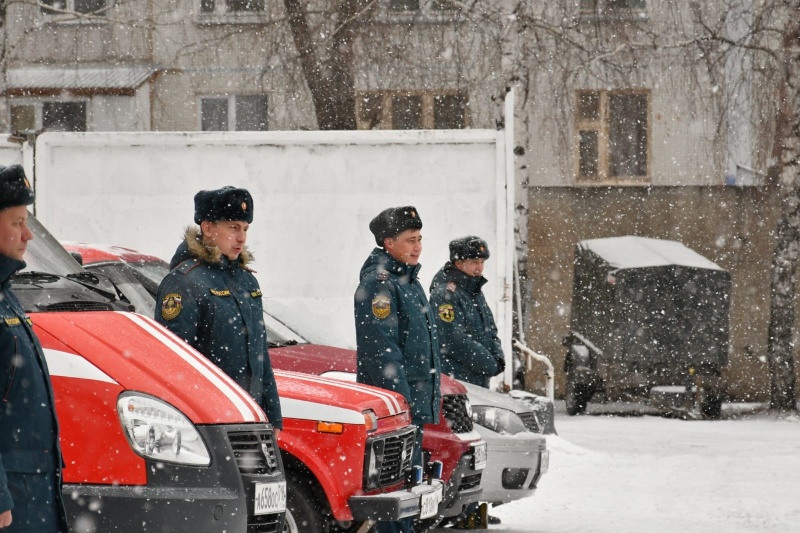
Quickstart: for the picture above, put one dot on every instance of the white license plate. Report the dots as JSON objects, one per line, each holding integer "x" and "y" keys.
{"x": 429, "y": 503}
{"x": 479, "y": 454}
{"x": 544, "y": 461}
{"x": 270, "y": 498}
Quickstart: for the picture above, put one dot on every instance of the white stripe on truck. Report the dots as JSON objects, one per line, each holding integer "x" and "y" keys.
{"x": 69, "y": 365}
{"x": 391, "y": 402}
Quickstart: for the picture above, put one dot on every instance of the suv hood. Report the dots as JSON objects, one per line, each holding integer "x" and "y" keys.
{"x": 310, "y": 397}
{"x": 480, "y": 396}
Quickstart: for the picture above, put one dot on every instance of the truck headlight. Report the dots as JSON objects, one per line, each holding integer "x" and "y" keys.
{"x": 156, "y": 430}
{"x": 497, "y": 419}
{"x": 373, "y": 464}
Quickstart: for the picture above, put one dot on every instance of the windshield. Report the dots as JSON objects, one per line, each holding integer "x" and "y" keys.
{"x": 45, "y": 253}
{"x": 279, "y": 333}
{"x": 150, "y": 272}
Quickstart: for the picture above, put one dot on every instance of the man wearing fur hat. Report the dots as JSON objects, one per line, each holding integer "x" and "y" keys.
{"x": 470, "y": 347}
{"x": 212, "y": 300}
{"x": 397, "y": 348}
{"x": 30, "y": 456}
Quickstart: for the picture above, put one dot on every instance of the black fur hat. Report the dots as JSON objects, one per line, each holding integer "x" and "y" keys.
{"x": 470, "y": 247}
{"x": 15, "y": 189}
{"x": 227, "y": 203}
{"x": 394, "y": 220}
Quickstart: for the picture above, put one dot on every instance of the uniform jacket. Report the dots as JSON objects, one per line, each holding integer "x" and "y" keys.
{"x": 395, "y": 334}
{"x": 30, "y": 456}
{"x": 215, "y": 305}
{"x": 468, "y": 338}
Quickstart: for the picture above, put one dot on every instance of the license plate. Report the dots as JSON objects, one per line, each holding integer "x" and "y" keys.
{"x": 479, "y": 456}
{"x": 270, "y": 498}
{"x": 429, "y": 503}
{"x": 544, "y": 461}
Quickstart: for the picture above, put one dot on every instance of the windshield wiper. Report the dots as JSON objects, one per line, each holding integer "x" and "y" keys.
{"x": 273, "y": 344}
{"x": 33, "y": 276}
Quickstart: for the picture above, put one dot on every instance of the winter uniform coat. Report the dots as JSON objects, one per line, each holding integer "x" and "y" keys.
{"x": 215, "y": 305}
{"x": 470, "y": 348}
{"x": 30, "y": 456}
{"x": 395, "y": 335}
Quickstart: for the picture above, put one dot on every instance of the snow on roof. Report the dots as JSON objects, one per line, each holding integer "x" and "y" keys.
{"x": 642, "y": 252}
{"x": 78, "y": 77}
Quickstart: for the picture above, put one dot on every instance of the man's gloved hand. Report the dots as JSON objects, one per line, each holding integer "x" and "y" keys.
{"x": 501, "y": 365}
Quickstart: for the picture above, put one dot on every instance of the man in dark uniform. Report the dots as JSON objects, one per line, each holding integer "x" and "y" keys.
{"x": 30, "y": 456}
{"x": 470, "y": 348}
{"x": 395, "y": 333}
{"x": 212, "y": 300}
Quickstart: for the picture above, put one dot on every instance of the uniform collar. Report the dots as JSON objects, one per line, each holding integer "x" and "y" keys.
{"x": 390, "y": 264}
{"x": 471, "y": 284}
{"x": 9, "y": 267}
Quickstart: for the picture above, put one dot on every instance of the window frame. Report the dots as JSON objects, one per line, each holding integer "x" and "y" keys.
{"x": 428, "y": 117}
{"x": 221, "y": 15}
{"x": 602, "y": 125}
{"x": 231, "y": 110}
{"x": 600, "y": 11}
{"x": 38, "y": 105}
{"x": 73, "y": 18}
{"x": 425, "y": 13}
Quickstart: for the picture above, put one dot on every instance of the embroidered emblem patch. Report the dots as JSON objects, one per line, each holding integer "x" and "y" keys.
{"x": 447, "y": 313}
{"x": 12, "y": 321}
{"x": 451, "y": 286}
{"x": 223, "y": 292}
{"x": 171, "y": 306}
{"x": 381, "y": 306}
{"x": 256, "y": 294}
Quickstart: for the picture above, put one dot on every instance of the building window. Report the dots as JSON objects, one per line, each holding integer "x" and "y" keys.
{"x": 407, "y": 110}
{"x": 234, "y": 113}
{"x": 84, "y": 7}
{"x": 614, "y": 8}
{"x": 223, "y": 7}
{"x": 48, "y": 116}
{"x": 424, "y": 5}
{"x": 613, "y": 131}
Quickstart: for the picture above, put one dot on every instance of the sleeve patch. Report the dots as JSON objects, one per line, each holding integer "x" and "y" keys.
{"x": 381, "y": 307}
{"x": 447, "y": 313}
{"x": 256, "y": 294}
{"x": 171, "y": 306}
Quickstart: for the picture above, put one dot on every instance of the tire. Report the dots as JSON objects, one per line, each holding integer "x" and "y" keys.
{"x": 576, "y": 397}
{"x": 305, "y": 513}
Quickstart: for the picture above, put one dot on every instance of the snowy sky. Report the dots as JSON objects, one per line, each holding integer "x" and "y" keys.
{"x": 634, "y": 474}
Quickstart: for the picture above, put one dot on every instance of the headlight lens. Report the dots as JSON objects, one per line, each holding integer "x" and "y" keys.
{"x": 373, "y": 463}
{"x": 497, "y": 419}
{"x": 157, "y": 430}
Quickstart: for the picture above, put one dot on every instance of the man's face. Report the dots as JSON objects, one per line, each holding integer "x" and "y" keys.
{"x": 227, "y": 235}
{"x": 406, "y": 247}
{"x": 14, "y": 232}
{"x": 471, "y": 267}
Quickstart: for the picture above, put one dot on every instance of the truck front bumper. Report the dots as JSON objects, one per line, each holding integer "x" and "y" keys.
{"x": 421, "y": 501}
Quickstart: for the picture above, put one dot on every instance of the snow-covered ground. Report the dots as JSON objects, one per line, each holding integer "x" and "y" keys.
{"x": 613, "y": 472}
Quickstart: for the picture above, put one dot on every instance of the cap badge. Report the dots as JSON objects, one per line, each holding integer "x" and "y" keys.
{"x": 244, "y": 206}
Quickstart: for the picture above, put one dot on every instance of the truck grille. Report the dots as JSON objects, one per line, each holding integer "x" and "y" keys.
{"x": 531, "y": 422}
{"x": 470, "y": 482}
{"x": 254, "y": 451}
{"x": 265, "y": 523}
{"x": 456, "y": 414}
{"x": 397, "y": 452}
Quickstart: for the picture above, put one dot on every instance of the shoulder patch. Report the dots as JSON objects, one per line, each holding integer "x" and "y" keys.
{"x": 381, "y": 306}
{"x": 220, "y": 292}
{"x": 256, "y": 294}
{"x": 12, "y": 321}
{"x": 382, "y": 275}
{"x": 451, "y": 286}
{"x": 171, "y": 306}
{"x": 447, "y": 313}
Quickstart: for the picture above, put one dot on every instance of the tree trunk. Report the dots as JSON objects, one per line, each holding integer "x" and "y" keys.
{"x": 780, "y": 344}
{"x": 329, "y": 75}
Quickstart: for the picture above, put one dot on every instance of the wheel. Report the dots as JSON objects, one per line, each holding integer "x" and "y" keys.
{"x": 711, "y": 404}
{"x": 576, "y": 397}
{"x": 304, "y": 511}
